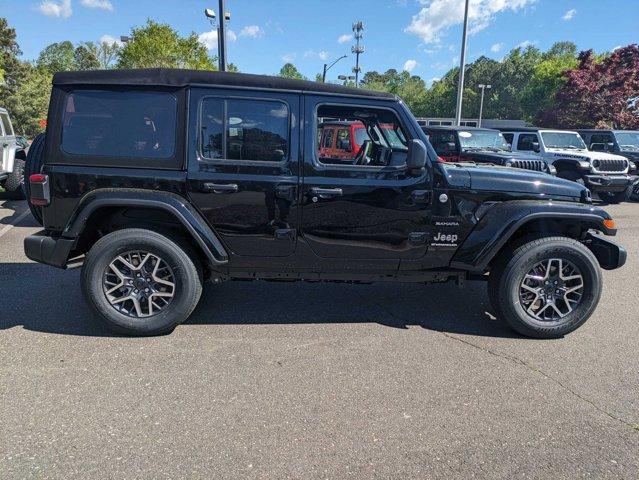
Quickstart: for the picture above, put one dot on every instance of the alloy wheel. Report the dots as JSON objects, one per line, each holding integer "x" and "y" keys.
{"x": 139, "y": 284}
{"x": 551, "y": 290}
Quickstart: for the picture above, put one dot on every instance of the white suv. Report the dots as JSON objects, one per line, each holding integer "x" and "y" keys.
{"x": 604, "y": 173}
{"x": 11, "y": 170}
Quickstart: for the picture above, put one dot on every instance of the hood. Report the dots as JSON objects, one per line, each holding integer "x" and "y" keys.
{"x": 515, "y": 180}
{"x": 583, "y": 154}
{"x": 499, "y": 157}
{"x": 634, "y": 156}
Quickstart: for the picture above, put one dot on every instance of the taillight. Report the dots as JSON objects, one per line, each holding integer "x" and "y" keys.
{"x": 441, "y": 159}
{"x": 40, "y": 191}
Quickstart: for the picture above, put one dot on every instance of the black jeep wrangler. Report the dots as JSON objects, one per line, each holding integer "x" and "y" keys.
{"x": 157, "y": 180}
{"x": 481, "y": 145}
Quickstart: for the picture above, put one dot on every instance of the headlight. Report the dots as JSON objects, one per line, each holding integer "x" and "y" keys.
{"x": 584, "y": 164}
{"x": 596, "y": 163}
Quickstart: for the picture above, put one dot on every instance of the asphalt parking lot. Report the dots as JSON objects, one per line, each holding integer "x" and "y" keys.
{"x": 313, "y": 381}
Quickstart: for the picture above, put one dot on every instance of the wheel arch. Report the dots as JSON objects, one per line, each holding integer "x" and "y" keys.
{"x": 504, "y": 224}
{"x": 106, "y": 210}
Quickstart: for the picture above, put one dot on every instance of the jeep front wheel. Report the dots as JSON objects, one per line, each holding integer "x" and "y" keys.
{"x": 546, "y": 287}
{"x": 618, "y": 197}
{"x": 140, "y": 282}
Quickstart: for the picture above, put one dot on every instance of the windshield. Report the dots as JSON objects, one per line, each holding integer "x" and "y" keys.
{"x": 482, "y": 139}
{"x": 628, "y": 141}
{"x": 563, "y": 140}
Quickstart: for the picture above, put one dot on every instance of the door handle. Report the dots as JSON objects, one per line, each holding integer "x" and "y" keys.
{"x": 327, "y": 192}
{"x": 220, "y": 187}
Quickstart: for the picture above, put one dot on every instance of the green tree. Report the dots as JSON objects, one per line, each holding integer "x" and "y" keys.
{"x": 29, "y": 103}
{"x": 57, "y": 57}
{"x": 85, "y": 59}
{"x": 106, "y": 53}
{"x": 290, "y": 71}
{"x": 158, "y": 45}
{"x": 10, "y": 65}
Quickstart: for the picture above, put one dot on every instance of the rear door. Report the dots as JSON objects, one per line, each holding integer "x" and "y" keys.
{"x": 243, "y": 168}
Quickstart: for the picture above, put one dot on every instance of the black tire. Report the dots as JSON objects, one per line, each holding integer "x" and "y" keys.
{"x": 186, "y": 274}
{"x": 14, "y": 184}
{"x": 508, "y": 273}
{"x": 635, "y": 192}
{"x": 572, "y": 176}
{"x": 35, "y": 160}
{"x": 618, "y": 197}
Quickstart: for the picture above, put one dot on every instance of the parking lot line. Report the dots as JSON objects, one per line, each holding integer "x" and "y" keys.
{"x": 8, "y": 227}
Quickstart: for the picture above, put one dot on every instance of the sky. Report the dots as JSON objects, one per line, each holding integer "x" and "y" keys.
{"x": 421, "y": 36}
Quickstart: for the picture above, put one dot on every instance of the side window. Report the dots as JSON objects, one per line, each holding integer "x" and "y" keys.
{"x": 344, "y": 139}
{"x": 128, "y": 124}
{"x": 6, "y": 124}
{"x": 526, "y": 141}
{"x": 380, "y": 139}
{"x": 251, "y": 130}
{"x": 443, "y": 142}
{"x": 328, "y": 138}
{"x": 509, "y": 137}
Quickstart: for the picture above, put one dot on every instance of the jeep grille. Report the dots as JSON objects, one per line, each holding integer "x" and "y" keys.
{"x": 610, "y": 165}
{"x": 536, "y": 165}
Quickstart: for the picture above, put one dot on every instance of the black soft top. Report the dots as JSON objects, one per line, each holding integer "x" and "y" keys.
{"x": 168, "y": 77}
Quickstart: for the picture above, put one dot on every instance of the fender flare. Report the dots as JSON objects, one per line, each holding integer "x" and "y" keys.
{"x": 497, "y": 226}
{"x": 172, "y": 203}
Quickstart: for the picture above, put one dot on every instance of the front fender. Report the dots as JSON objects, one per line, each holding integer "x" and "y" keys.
{"x": 501, "y": 221}
{"x": 174, "y": 204}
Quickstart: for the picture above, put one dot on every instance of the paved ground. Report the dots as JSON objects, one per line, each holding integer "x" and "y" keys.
{"x": 313, "y": 381}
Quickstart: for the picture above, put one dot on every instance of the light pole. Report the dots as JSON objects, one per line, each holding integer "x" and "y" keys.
{"x": 481, "y": 103}
{"x": 221, "y": 33}
{"x": 327, "y": 68}
{"x": 357, "y": 49}
{"x": 462, "y": 66}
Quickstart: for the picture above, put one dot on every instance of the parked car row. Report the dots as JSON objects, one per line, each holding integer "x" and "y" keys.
{"x": 604, "y": 161}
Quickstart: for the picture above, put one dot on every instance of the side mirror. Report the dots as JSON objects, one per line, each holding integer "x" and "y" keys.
{"x": 416, "y": 156}
{"x": 611, "y": 146}
{"x": 535, "y": 147}
{"x": 510, "y": 147}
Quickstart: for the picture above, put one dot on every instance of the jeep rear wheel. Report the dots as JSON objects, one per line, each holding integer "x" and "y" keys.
{"x": 140, "y": 282}
{"x": 546, "y": 287}
{"x": 14, "y": 184}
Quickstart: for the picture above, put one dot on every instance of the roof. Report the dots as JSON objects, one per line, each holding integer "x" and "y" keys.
{"x": 605, "y": 130}
{"x": 180, "y": 78}
{"x": 456, "y": 128}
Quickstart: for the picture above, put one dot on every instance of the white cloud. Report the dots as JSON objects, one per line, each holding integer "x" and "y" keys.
{"x": 110, "y": 40}
{"x": 61, "y": 9}
{"x": 437, "y": 16}
{"x": 209, "y": 39}
{"x": 525, "y": 44}
{"x": 569, "y": 14}
{"x": 323, "y": 55}
{"x": 347, "y": 37}
{"x": 288, "y": 57}
{"x": 252, "y": 31}
{"x": 101, "y": 4}
{"x": 497, "y": 47}
{"x": 410, "y": 65}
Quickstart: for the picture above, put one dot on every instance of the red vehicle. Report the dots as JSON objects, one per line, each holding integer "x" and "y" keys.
{"x": 342, "y": 140}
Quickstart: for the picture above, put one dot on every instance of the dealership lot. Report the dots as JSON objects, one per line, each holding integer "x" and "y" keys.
{"x": 313, "y": 380}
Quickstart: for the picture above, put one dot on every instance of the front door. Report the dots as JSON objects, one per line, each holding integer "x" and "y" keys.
{"x": 243, "y": 168}
{"x": 370, "y": 208}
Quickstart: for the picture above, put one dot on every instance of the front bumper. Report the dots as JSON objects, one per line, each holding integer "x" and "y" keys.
{"x": 609, "y": 254}
{"x": 608, "y": 183}
{"x": 42, "y": 248}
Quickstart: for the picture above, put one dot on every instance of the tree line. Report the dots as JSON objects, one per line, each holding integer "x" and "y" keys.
{"x": 557, "y": 88}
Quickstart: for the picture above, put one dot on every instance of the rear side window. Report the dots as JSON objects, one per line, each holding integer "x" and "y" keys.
{"x": 6, "y": 124}
{"x": 244, "y": 130}
{"x": 126, "y": 124}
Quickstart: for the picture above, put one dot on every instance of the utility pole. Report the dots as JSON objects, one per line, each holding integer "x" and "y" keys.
{"x": 462, "y": 66}
{"x": 221, "y": 38}
{"x": 481, "y": 103}
{"x": 357, "y": 49}
{"x": 327, "y": 68}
